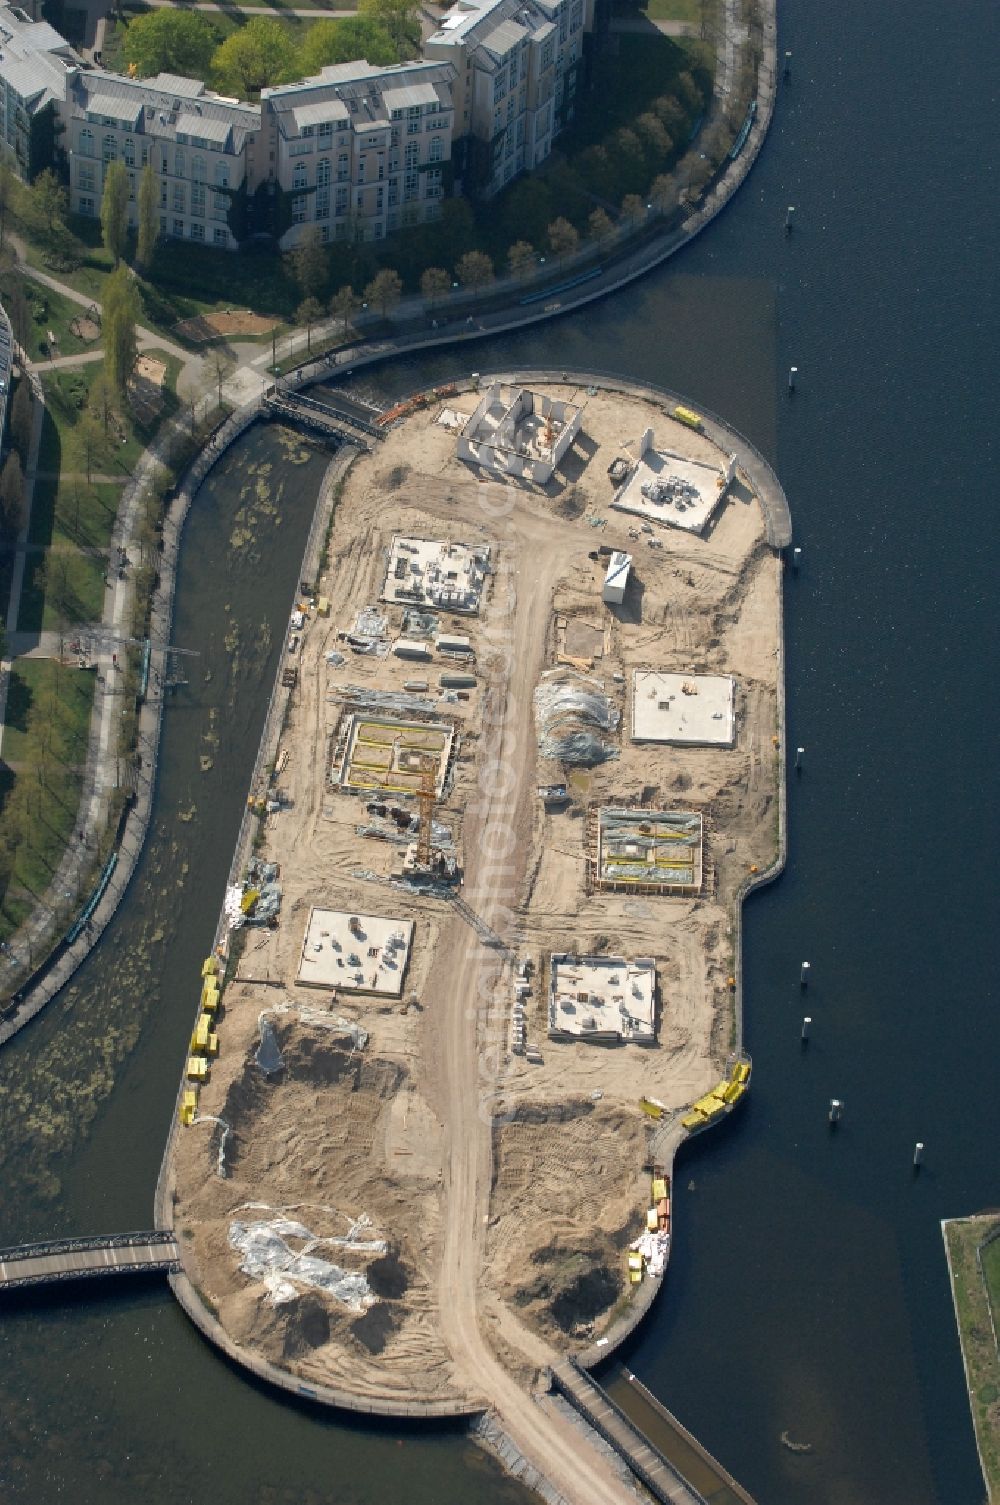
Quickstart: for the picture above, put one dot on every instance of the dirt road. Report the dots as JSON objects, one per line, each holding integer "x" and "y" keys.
{"x": 553, "y": 1445}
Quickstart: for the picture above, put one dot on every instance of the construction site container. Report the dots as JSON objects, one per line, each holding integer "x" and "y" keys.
{"x": 322, "y": 606}
{"x": 457, "y": 681}
{"x": 416, "y": 686}
{"x": 635, "y": 1277}
{"x": 659, "y": 1188}
{"x": 209, "y": 966}
{"x": 197, "y": 1069}
{"x": 452, "y": 643}
{"x": 663, "y": 1207}
{"x": 189, "y": 1107}
{"x": 651, "y": 1220}
{"x": 534, "y": 1056}
{"x": 412, "y": 648}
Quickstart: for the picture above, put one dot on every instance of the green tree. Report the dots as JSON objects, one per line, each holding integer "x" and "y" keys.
{"x": 309, "y": 311}
{"x": 663, "y": 193}
{"x": 474, "y": 270}
{"x": 384, "y": 290}
{"x": 149, "y": 213}
{"x": 343, "y": 41}
{"x": 22, "y": 418}
{"x": 654, "y": 135}
{"x": 8, "y": 196}
{"x": 89, "y": 442}
{"x": 12, "y": 494}
{"x": 309, "y": 263}
{"x": 520, "y": 257}
{"x": 633, "y": 208}
{"x": 599, "y": 225}
{"x": 563, "y": 238}
{"x": 114, "y": 210}
{"x": 434, "y": 284}
{"x": 121, "y": 312}
{"x": 400, "y": 18}
{"x": 221, "y": 364}
{"x": 257, "y": 56}
{"x": 49, "y": 201}
{"x": 344, "y": 304}
{"x": 171, "y": 41}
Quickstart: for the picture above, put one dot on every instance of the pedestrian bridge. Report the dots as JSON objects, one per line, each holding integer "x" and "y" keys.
{"x": 340, "y": 417}
{"x": 82, "y": 1258}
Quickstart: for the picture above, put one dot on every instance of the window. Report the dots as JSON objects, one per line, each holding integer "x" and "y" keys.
{"x": 220, "y": 206}
{"x": 411, "y": 186}
{"x": 197, "y": 232}
{"x": 299, "y": 209}
{"x": 85, "y": 176}
{"x": 325, "y": 131}
{"x": 379, "y": 200}
{"x": 499, "y": 84}
{"x": 307, "y": 130}
{"x": 412, "y": 154}
{"x": 299, "y": 175}
{"x": 324, "y": 234}
{"x": 128, "y": 152}
{"x": 220, "y": 237}
{"x": 178, "y": 164}
{"x": 198, "y": 168}
{"x": 86, "y": 142}
{"x": 433, "y": 183}
{"x": 163, "y": 224}
{"x": 299, "y": 148}
{"x": 322, "y": 203}
{"x": 361, "y": 169}
{"x": 109, "y": 149}
{"x": 343, "y": 169}
{"x": 393, "y": 193}
{"x": 178, "y": 227}
{"x": 323, "y": 172}
{"x": 86, "y": 206}
{"x": 178, "y": 198}
{"x": 145, "y": 156}
{"x": 413, "y": 127}
{"x": 547, "y": 49}
{"x": 131, "y": 186}
{"x": 341, "y": 202}
{"x": 437, "y": 150}
{"x": 163, "y": 195}
{"x": 222, "y": 174}
{"x": 198, "y": 200}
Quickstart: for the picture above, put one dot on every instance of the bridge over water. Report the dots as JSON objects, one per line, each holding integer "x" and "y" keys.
{"x": 83, "y": 1258}
{"x": 338, "y": 417}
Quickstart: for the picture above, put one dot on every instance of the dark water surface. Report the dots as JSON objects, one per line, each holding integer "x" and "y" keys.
{"x": 807, "y": 1292}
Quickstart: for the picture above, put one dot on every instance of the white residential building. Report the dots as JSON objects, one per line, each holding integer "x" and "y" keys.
{"x": 361, "y": 150}
{"x": 37, "y": 66}
{"x": 201, "y": 147}
{"x": 517, "y": 63}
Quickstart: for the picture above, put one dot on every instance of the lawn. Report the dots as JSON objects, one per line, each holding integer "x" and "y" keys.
{"x": 978, "y": 1347}
{"x": 675, "y": 10}
{"x": 74, "y": 511}
{"x": 82, "y": 591}
{"x": 66, "y": 394}
{"x": 52, "y": 802}
{"x": 47, "y": 311}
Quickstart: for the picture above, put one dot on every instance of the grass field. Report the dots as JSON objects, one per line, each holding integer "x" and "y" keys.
{"x": 962, "y": 1238}
{"x": 74, "y": 512}
{"x": 674, "y": 10}
{"x": 81, "y": 593}
{"x": 52, "y": 798}
{"x": 47, "y": 311}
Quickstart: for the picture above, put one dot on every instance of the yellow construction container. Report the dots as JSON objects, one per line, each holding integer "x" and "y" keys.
{"x": 659, "y": 1188}
{"x": 735, "y": 1091}
{"x": 199, "y": 1040}
{"x": 741, "y": 1071}
{"x": 651, "y": 1107}
{"x": 197, "y": 1069}
{"x": 189, "y": 1107}
{"x": 634, "y": 1260}
{"x": 652, "y": 1222}
{"x": 209, "y": 966}
{"x": 249, "y": 899}
{"x": 322, "y": 606}
{"x": 210, "y": 999}
{"x": 213, "y": 1045}
{"x": 686, "y": 415}
{"x": 693, "y": 1121}
{"x": 634, "y": 1277}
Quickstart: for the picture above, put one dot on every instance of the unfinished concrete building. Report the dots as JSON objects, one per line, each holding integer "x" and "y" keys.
{"x": 514, "y": 432}
{"x": 378, "y": 754}
{"x": 604, "y": 999}
{"x": 354, "y": 953}
{"x": 685, "y": 710}
{"x": 429, "y": 572}
{"x": 664, "y": 487}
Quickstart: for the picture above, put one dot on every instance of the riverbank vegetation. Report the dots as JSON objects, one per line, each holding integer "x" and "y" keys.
{"x": 975, "y": 1271}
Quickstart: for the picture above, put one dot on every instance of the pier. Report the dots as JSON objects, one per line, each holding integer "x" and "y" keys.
{"x": 84, "y": 1258}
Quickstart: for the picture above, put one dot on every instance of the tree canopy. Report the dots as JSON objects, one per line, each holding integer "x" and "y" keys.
{"x": 341, "y": 41}
{"x": 114, "y": 210}
{"x": 400, "y": 18}
{"x": 170, "y": 41}
{"x": 256, "y": 57}
{"x": 119, "y": 317}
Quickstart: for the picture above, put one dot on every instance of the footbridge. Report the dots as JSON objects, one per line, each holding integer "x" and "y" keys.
{"x": 340, "y": 417}
{"x": 83, "y": 1258}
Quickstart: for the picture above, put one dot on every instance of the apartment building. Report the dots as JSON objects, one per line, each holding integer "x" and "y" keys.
{"x": 360, "y": 151}
{"x": 37, "y": 66}
{"x": 201, "y": 147}
{"x": 517, "y": 65}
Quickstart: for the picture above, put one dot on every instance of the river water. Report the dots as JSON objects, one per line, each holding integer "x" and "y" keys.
{"x": 807, "y": 1293}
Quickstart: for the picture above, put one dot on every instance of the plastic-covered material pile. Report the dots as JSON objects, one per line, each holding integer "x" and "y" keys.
{"x": 654, "y": 1248}
{"x": 268, "y": 1056}
{"x": 572, "y": 716}
{"x": 267, "y": 1255}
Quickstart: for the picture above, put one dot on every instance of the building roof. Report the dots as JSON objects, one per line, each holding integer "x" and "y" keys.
{"x": 478, "y": 21}
{"x": 35, "y": 61}
{"x": 366, "y": 93}
{"x": 156, "y": 111}
{"x": 208, "y": 128}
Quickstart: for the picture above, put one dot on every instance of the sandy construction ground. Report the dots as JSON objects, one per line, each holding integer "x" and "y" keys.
{"x": 504, "y": 1190}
